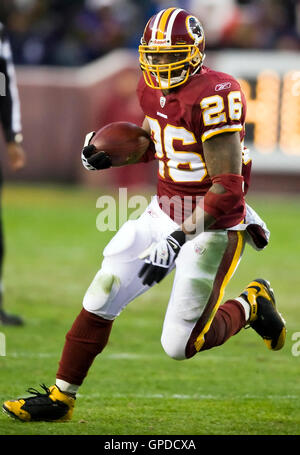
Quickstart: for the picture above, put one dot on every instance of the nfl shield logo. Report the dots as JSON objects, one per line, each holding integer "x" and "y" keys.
{"x": 162, "y": 101}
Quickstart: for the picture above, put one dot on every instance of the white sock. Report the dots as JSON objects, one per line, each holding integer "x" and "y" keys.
{"x": 246, "y": 307}
{"x": 67, "y": 387}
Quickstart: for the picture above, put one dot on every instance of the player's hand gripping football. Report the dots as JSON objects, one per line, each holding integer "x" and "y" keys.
{"x": 159, "y": 257}
{"x": 91, "y": 159}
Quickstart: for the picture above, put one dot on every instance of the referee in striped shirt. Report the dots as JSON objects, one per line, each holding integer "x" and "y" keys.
{"x": 10, "y": 120}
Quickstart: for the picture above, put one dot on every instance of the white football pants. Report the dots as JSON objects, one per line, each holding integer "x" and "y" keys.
{"x": 203, "y": 268}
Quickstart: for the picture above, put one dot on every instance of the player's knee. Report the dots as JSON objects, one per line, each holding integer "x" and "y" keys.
{"x": 173, "y": 351}
{"x": 173, "y": 345}
{"x": 100, "y": 293}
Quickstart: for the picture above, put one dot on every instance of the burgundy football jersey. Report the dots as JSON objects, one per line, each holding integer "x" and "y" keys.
{"x": 210, "y": 103}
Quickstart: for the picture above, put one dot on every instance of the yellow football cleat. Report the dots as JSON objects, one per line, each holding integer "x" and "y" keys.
{"x": 53, "y": 405}
{"x": 264, "y": 317}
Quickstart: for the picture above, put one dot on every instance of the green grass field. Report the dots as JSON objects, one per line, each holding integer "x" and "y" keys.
{"x": 53, "y": 250}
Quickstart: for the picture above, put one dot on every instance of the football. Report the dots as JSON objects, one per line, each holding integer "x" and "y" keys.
{"x": 124, "y": 142}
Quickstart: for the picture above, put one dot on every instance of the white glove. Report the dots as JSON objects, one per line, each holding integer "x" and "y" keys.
{"x": 84, "y": 157}
{"x": 159, "y": 257}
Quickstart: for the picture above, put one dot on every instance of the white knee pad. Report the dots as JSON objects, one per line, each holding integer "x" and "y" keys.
{"x": 196, "y": 268}
{"x": 116, "y": 283}
{"x": 100, "y": 293}
{"x": 183, "y": 314}
{"x": 174, "y": 339}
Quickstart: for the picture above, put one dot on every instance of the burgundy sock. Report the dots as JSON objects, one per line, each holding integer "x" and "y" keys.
{"x": 228, "y": 321}
{"x": 87, "y": 338}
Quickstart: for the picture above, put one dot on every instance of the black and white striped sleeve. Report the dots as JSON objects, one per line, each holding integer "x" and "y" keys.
{"x": 10, "y": 115}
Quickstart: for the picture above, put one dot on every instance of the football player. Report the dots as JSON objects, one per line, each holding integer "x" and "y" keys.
{"x": 196, "y": 118}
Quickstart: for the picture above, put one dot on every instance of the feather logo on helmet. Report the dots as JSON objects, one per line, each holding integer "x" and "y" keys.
{"x": 195, "y": 29}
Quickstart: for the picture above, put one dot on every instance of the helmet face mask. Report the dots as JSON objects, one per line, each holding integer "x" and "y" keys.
{"x": 169, "y": 66}
{"x": 172, "y": 48}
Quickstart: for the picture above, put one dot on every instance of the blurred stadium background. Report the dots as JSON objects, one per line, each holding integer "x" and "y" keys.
{"x": 77, "y": 69}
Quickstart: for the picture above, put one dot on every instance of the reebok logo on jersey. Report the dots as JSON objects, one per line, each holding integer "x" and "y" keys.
{"x": 222, "y": 86}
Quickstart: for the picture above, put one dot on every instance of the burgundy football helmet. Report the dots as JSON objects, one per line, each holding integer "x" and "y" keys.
{"x": 172, "y": 48}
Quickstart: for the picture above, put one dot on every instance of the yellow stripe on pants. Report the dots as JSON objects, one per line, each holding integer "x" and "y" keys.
{"x": 239, "y": 248}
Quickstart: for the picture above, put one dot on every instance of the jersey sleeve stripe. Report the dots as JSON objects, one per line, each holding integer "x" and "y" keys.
{"x": 224, "y": 129}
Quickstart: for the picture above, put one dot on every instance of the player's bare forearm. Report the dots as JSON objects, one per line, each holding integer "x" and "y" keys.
{"x": 146, "y": 126}
{"x": 149, "y": 153}
{"x": 223, "y": 156}
{"x": 199, "y": 221}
